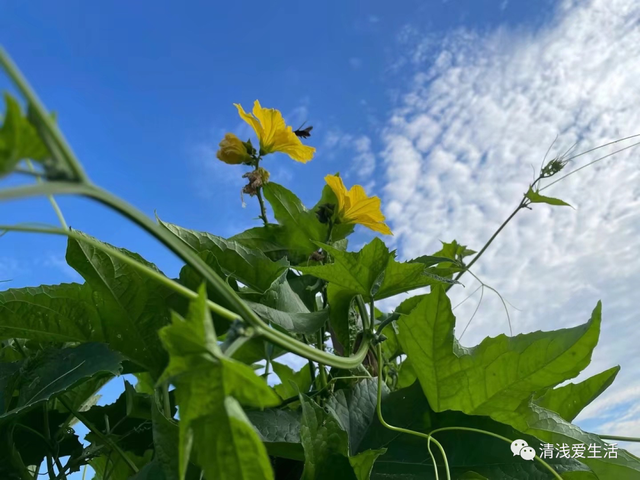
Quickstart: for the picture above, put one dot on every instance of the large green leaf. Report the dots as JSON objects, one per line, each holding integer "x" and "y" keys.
{"x": 354, "y": 409}
{"x": 407, "y": 457}
{"x": 279, "y": 430}
{"x": 50, "y": 373}
{"x": 344, "y": 317}
{"x": 60, "y": 313}
{"x": 301, "y": 380}
{"x": 30, "y": 442}
{"x": 552, "y": 429}
{"x": 251, "y": 267}
{"x": 166, "y": 438}
{"x": 569, "y": 400}
{"x": 131, "y": 305}
{"x": 496, "y": 375}
{"x": 326, "y": 445}
{"x": 264, "y": 239}
{"x": 208, "y": 387}
{"x": 19, "y": 139}
{"x": 300, "y": 227}
{"x": 373, "y": 271}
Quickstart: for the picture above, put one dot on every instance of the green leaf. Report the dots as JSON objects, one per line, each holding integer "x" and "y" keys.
{"x": 535, "y": 197}
{"x": 264, "y": 239}
{"x": 325, "y": 444}
{"x": 59, "y": 313}
{"x": 362, "y": 463}
{"x": 166, "y": 438}
{"x": 499, "y": 373}
{"x": 131, "y": 306}
{"x": 407, "y": 375}
{"x": 82, "y": 397}
{"x": 32, "y": 445}
{"x": 116, "y": 467}
{"x": 279, "y": 430}
{"x": 569, "y": 400}
{"x": 151, "y": 471}
{"x": 345, "y": 319}
{"x": 305, "y": 323}
{"x": 300, "y": 227}
{"x": 129, "y": 427}
{"x": 373, "y": 271}
{"x": 211, "y": 420}
{"x": 549, "y": 427}
{"x": 54, "y": 371}
{"x": 301, "y": 380}
{"x": 251, "y": 267}
{"x": 19, "y": 140}
{"x": 407, "y": 457}
{"x": 354, "y": 409}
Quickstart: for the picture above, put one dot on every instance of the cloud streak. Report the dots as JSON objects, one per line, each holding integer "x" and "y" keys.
{"x": 480, "y": 110}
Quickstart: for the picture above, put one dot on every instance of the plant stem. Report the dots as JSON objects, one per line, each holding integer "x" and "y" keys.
{"x": 83, "y": 186}
{"x": 493, "y": 237}
{"x": 114, "y": 447}
{"x": 50, "y": 444}
{"x": 52, "y": 200}
{"x": 505, "y": 439}
{"x": 263, "y": 210}
{"x": 260, "y": 328}
{"x": 404, "y": 430}
{"x": 49, "y": 124}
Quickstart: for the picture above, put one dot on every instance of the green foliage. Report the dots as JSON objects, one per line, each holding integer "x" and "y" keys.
{"x": 209, "y": 388}
{"x": 19, "y": 139}
{"x": 200, "y": 410}
{"x": 499, "y": 373}
{"x": 535, "y": 197}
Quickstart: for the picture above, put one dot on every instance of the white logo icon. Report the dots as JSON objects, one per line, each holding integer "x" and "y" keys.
{"x": 528, "y": 453}
{"x": 517, "y": 446}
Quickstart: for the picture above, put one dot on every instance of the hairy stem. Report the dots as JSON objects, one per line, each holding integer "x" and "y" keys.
{"x": 263, "y": 209}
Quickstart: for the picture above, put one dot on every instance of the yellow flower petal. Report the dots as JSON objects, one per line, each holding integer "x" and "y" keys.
{"x": 251, "y": 120}
{"x": 355, "y": 207}
{"x": 274, "y": 134}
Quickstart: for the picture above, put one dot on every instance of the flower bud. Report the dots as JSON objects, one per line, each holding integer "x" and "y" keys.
{"x": 233, "y": 150}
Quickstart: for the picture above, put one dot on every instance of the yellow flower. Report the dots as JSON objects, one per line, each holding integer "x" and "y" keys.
{"x": 232, "y": 150}
{"x": 274, "y": 134}
{"x": 355, "y": 207}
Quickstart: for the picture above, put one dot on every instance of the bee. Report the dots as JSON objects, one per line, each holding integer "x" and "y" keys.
{"x": 304, "y": 133}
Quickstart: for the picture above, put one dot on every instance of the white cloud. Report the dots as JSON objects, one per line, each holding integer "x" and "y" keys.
{"x": 358, "y": 151}
{"x": 483, "y": 107}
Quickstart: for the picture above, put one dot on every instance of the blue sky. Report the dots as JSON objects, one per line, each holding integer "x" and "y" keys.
{"x": 439, "y": 107}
